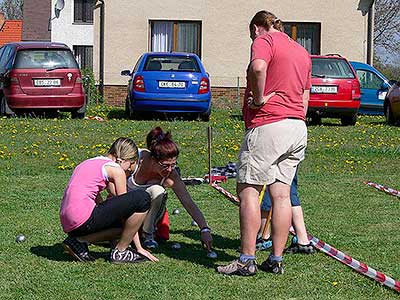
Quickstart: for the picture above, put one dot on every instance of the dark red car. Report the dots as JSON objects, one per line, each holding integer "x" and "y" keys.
{"x": 392, "y": 104}
{"x": 335, "y": 90}
{"x": 40, "y": 77}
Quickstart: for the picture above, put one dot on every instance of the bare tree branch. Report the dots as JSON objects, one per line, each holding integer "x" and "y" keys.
{"x": 387, "y": 24}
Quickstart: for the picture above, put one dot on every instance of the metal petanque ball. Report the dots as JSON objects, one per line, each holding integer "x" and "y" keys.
{"x": 20, "y": 238}
{"x": 175, "y": 211}
{"x": 212, "y": 254}
{"x": 176, "y": 246}
{"x": 194, "y": 223}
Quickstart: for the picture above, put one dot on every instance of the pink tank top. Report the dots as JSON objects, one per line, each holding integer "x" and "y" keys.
{"x": 87, "y": 181}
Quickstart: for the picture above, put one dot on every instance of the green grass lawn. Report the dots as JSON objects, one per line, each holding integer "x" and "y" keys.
{"x": 37, "y": 157}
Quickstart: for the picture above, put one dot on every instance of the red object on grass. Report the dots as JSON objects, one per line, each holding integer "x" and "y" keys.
{"x": 162, "y": 232}
{"x": 216, "y": 178}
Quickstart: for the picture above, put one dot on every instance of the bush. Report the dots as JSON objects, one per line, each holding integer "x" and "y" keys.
{"x": 90, "y": 86}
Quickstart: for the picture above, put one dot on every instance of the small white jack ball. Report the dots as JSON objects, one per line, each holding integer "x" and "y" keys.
{"x": 20, "y": 238}
{"x": 212, "y": 254}
{"x": 176, "y": 246}
{"x": 175, "y": 211}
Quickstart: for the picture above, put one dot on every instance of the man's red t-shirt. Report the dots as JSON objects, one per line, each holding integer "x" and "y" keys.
{"x": 288, "y": 75}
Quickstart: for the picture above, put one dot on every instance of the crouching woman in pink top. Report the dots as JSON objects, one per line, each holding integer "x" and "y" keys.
{"x": 87, "y": 219}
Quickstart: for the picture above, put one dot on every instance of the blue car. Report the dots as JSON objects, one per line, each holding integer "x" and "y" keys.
{"x": 168, "y": 83}
{"x": 374, "y": 87}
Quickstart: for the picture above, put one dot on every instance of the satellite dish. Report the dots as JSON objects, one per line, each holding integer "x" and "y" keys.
{"x": 58, "y": 8}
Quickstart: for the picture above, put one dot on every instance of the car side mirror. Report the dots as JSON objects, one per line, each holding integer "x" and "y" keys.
{"x": 384, "y": 86}
{"x": 125, "y": 73}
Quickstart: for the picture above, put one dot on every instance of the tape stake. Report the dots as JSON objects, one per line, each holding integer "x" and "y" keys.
{"x": 383, "y": 188}
{"x": 360, "y": 267}
{"x": 230, "y": 196}
{"x": 345, "y": 259}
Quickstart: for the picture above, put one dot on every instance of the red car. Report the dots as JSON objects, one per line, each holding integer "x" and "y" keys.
{"x": 335, "y": 90}
{"x": 392, "y": 104}
{"x": 40, "y": 77}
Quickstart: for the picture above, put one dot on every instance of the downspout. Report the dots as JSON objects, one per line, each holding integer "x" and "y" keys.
{"x": 370, "y": 34}
{"x": 101, "y": 50}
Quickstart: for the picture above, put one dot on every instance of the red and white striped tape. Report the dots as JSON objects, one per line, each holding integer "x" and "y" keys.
{"x": 383, "y": 188}
{"x": 97, "y": 118}
{"x": 230, "y": 196}
{"x": 356, "y": 265}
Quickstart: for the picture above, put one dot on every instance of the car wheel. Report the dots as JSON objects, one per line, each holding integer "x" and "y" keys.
{"x": 3, "y": 106}
{"x": 349, "y": 120}
{"x": 77, "y": 115}
{"x": 206, "y": 115}
{"x": 128, "y": 112}
{"x": 315, "y": 120}
{"x": 389, "y": 115}
{"x": 4, "y": 109}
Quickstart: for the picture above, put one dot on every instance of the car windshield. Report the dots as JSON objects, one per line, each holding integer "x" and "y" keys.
{"x": 331, "y": 68}
{"x": 45, "y": 59}
{"x": 171, "y": 63}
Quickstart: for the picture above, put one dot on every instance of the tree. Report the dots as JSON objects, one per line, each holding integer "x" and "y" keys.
{"x": 387, "y": 24}
{"x": 12, "y": 9}
{"x": 391, "y": 71}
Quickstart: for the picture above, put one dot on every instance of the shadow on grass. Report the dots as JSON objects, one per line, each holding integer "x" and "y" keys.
{"x": 119, "y": 114}
{"x": 195, "y": 253}
{"x": 116, "y": 113}
{"x": 56, "y": 252}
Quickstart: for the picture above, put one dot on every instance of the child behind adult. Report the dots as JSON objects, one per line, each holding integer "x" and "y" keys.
{"x": 156, "y": 172}
{"x": 300, "y": 243}
{"x": 87, "y": 219}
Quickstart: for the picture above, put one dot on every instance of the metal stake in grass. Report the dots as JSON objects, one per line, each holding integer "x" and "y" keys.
{"x": 209, "y": 139}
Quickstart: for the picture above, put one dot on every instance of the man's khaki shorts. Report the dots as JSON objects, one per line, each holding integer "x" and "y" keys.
{"x": 272, "y": 152}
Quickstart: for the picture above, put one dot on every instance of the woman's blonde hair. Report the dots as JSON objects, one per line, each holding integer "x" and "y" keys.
{"x": 266, "y": 19}
{"x": 124, "y": 148}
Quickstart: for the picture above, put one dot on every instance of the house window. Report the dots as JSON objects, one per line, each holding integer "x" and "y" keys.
{"x": 83, "y": 11}
{"x": 178, "y": 36}
{"x": 84, "y": 56}
{"x": 306, "y": 34}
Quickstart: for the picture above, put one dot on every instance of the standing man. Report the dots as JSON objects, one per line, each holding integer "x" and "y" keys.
{"x": 276, "y": 99}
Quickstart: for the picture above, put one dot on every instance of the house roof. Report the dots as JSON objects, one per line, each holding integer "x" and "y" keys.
{"x": 10, "y": 31}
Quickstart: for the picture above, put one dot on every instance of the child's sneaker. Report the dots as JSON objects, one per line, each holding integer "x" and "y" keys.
{"x": 295, "y": 247}
{"x": 238, "y": 268}
{"x": 150, "y": 244}
{"x": 148, "y": 241}
{"x": 127, "y": 256}
{"x": 77, "y": 249}
{"x": 275, "y": 267}
{"x": 263, "y": 244}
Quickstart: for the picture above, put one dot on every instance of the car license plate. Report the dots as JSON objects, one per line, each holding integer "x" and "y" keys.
{"x": 171, "y": 84}
{"x": 324, "y": 89}
{"x": 47, "y": 82}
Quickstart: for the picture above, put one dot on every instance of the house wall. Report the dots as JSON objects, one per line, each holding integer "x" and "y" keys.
{"x": 64, "y": 30}
{"x": 36, "y": 20}
{"x": 225, "y": 35}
